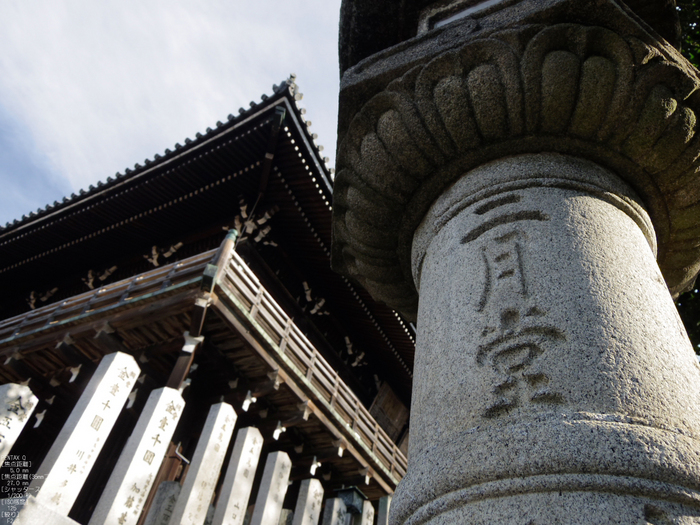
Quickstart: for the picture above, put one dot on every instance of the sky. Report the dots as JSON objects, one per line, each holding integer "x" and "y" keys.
{"x": 91, "y": 87}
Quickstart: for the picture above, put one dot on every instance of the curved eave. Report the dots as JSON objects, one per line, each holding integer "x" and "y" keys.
{"x": 191, "y": 196}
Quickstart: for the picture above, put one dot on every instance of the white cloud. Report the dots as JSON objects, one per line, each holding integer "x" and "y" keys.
{"x": 99, "y": 86}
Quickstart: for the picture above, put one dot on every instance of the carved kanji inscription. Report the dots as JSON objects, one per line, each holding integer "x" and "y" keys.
{"x": 515, "y": 330}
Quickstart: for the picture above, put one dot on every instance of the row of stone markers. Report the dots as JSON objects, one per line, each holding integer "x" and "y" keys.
{"x": 65, "y": 468}
{"x": 63, "y": 472}
{"x": 190, "y": 503}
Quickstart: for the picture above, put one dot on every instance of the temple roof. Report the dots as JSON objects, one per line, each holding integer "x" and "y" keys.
{"x": 164, "y": 198}
{"x": 183, "y": 202}
{"x": 286, "y": 88}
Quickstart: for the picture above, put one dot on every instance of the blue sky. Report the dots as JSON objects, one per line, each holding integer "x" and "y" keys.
{"x": 89, "y": 88}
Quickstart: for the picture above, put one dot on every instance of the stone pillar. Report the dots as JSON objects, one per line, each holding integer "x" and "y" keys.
{"x": 286, "y": 517}
{"x": 73, "y": 453}
{"x": 124, "y": 495}
{"x": 163, "y": 503}
{"x": 235, "y": 491}
{"x": 18, "y": 404}
{"x": 309, "y": 502}
{"x": 545, "y": 346}
{"x": 383, "y": 510}
{"x": 198, "y": 489}
{"x": 334, "y": 512}
{"x": 273, "y": 488}
{"x": 367, "y": 516}
{"x": 525, "y": 186}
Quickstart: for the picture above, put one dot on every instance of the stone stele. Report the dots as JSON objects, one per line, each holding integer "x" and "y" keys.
{"x": 198, "y": 488}
{"x": 163, "y": 503}
{"x": 240, "y": 474}
{"x": 334, "y": 512}
{"x": 309, "y": 502}
{"x": 132, "y": 478}
{"x": 273, "y": 487}
{"x": 67, "y": 464}
{"x": 17, "y": 404}
{"x": 521, "y": 178}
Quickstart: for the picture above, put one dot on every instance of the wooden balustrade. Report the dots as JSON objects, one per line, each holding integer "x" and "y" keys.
{"x": 242, "y": 284}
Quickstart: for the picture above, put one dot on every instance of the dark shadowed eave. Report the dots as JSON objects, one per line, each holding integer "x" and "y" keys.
{"x": 191, "y": 195}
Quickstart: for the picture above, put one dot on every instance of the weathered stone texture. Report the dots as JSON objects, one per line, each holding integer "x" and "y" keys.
{"x": 368, "y": 26}
{"x": 532, "y": 172}
{"x": 617, "y": 99}
{"x": 545, "y": 351}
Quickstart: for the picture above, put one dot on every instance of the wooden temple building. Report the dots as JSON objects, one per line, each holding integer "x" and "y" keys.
{"x": 200, "y": 277}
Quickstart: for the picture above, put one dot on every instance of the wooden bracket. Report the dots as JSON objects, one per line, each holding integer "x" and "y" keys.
{"x": 265, "y": 388}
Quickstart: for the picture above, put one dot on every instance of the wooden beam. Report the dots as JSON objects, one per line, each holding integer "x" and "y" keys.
{"x": 71, "y": 354}
{"x": 300, "y": 415}
{"x": 15, "y": 362}
{"x": 199, "y": 313}
{"x": 108, "y": 341}
{"x": 159, "y": 349}
{"x": 322, "y": 455}
{"x": 267, "y": 387}
{"x": 144, "y": 313}
{"x": 184, "y": 361}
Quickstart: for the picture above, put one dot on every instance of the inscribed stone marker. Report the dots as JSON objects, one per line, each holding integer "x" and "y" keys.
{"x": 335, "y": 512}
{"x": 240, "y": 474}
{"x": 367, "y": 516}
{"x": 124, "y": 496}
{"x": 197, "y": 490}
{"x": 383, "y": 511}
{"x": 65, "y": 468}
{"x": 17, "y": 405}
{"x": 286, "y": 517}
{"x": 273, "y": 488}
{"x": 163, "y": 503}
{"x": 309, "y": 502}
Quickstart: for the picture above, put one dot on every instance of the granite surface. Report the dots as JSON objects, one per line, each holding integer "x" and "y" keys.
{"x": 549, "y": 354}
{"x": 575, "y": 78}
